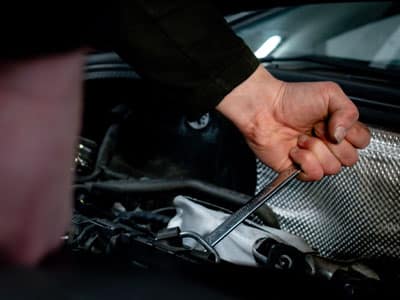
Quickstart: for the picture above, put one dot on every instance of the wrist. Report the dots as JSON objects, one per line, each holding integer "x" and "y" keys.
{"x": 257, "y": 93}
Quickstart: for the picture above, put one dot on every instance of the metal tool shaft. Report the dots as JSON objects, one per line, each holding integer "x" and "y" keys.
{"x": 251, "y": 206}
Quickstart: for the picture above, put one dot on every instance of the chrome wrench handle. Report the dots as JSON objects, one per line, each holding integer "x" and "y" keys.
{"x": 251, "y": 206}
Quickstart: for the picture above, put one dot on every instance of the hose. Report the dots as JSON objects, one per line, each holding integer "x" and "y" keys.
{"x": 224, "y": 196}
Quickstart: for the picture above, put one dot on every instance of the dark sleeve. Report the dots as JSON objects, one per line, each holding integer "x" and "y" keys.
{"x": 183, "y": 45}
{"x": 186, "y": 45}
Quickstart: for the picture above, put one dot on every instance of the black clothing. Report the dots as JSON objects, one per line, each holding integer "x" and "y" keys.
{"x": 184, "y": 45}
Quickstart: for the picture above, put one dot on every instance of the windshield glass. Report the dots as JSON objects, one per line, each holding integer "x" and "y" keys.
{"x": 368, "y": 32}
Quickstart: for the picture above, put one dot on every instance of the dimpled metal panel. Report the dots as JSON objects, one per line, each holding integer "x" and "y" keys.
{"x": 355, "y": 214}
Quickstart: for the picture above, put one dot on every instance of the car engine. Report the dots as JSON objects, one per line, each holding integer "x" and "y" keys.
{"x": 342, "y": 229}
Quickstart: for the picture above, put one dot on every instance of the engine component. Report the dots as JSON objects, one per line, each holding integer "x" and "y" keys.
{"x": 95, "y": 160}
{"x": 235, "y": 248}
{"x": 226, "y": 197}
{"x": 251, "y": 206}
{"x": 175, "y": 232}
{"x": 352, "y": 215}
{"x": 117, "y": 237}
{"x": 137, "y": 225}
{"x": 199, "y": 123}
{"x": 358, "y": 279}
{"x": 272, "y": 253}
{"x": 85, "y": 157}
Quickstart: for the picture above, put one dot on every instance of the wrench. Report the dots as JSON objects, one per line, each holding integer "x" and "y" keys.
{"x": 251, "y": 206}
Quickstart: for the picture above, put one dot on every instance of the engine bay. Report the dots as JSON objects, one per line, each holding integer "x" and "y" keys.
{"x": 150, "y": 184}
{"x": 135, "y": 203}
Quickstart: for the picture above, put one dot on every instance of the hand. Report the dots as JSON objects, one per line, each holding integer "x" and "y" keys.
{"x": 314, "y": 125}
{"x": 39, "y": 123}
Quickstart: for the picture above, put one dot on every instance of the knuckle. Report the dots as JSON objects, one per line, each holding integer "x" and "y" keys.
{"x": 353, "y": 112}
{"x": 306, "y": 159}
{"x": 350, "y": 159}
{"x": 333, "y": 168}
{"x": 332, "y": 86}
{"x": 366, "y": 134}
{"x": 313, "y": 144}
{"x": 316, "y": 173}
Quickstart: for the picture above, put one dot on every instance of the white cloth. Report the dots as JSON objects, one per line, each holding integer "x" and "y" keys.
{"x": 237, "y": 246}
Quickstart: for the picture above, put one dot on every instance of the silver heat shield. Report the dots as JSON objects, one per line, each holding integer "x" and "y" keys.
{"x": 355, "y": 214}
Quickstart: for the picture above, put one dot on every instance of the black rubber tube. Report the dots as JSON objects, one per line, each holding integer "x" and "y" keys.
{"x": 223, "y": 195}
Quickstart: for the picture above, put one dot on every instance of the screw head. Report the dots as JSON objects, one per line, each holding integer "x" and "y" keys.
{"x": 284, "y": 262}
{"x": 201, "y": 123}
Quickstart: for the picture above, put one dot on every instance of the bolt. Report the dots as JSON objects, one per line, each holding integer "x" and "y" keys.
{"x": 285, "y": 262}
{"x": 201, "y": 123}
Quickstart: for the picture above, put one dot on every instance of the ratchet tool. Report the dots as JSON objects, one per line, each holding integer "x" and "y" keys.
{"x": 251, "y": 206}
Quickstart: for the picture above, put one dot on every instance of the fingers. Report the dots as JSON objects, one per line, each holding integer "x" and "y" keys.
{"x": 314, "y": 158}
{"x": 318, "y": 157}
{"x": 330, "y": 164}
{"x": 346, "y": 152}
{"x": 309, "y": 164}
{"x": 358, "y": 135}
{"x": 343, "y": 113}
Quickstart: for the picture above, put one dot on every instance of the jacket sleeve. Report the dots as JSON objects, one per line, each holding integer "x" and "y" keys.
{"x": 186, "y": 46}
{"x": 183, "y": 45}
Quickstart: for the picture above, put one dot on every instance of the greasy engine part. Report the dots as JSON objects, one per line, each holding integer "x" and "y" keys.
{"x": 359, "y": 280}
{"x": 85, "y": 157}
{"x": 114, "y": 230}
{"x": 99, "y": 168}
{"x": 272, "y": 253}
{"x": 130, "y": 236}
{"x": 173, "y": 145}
{"x": 203, "y": 190}
{"x": 95, "y": 159}
{"x": 98, "y": 159}
{"x": 352, "y": 215}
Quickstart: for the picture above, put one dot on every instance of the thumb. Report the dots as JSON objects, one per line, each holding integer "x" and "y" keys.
{"x": 343, "y": 114}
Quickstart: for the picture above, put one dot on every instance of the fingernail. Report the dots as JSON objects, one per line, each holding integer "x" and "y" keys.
{"x": 340, "y": 133}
